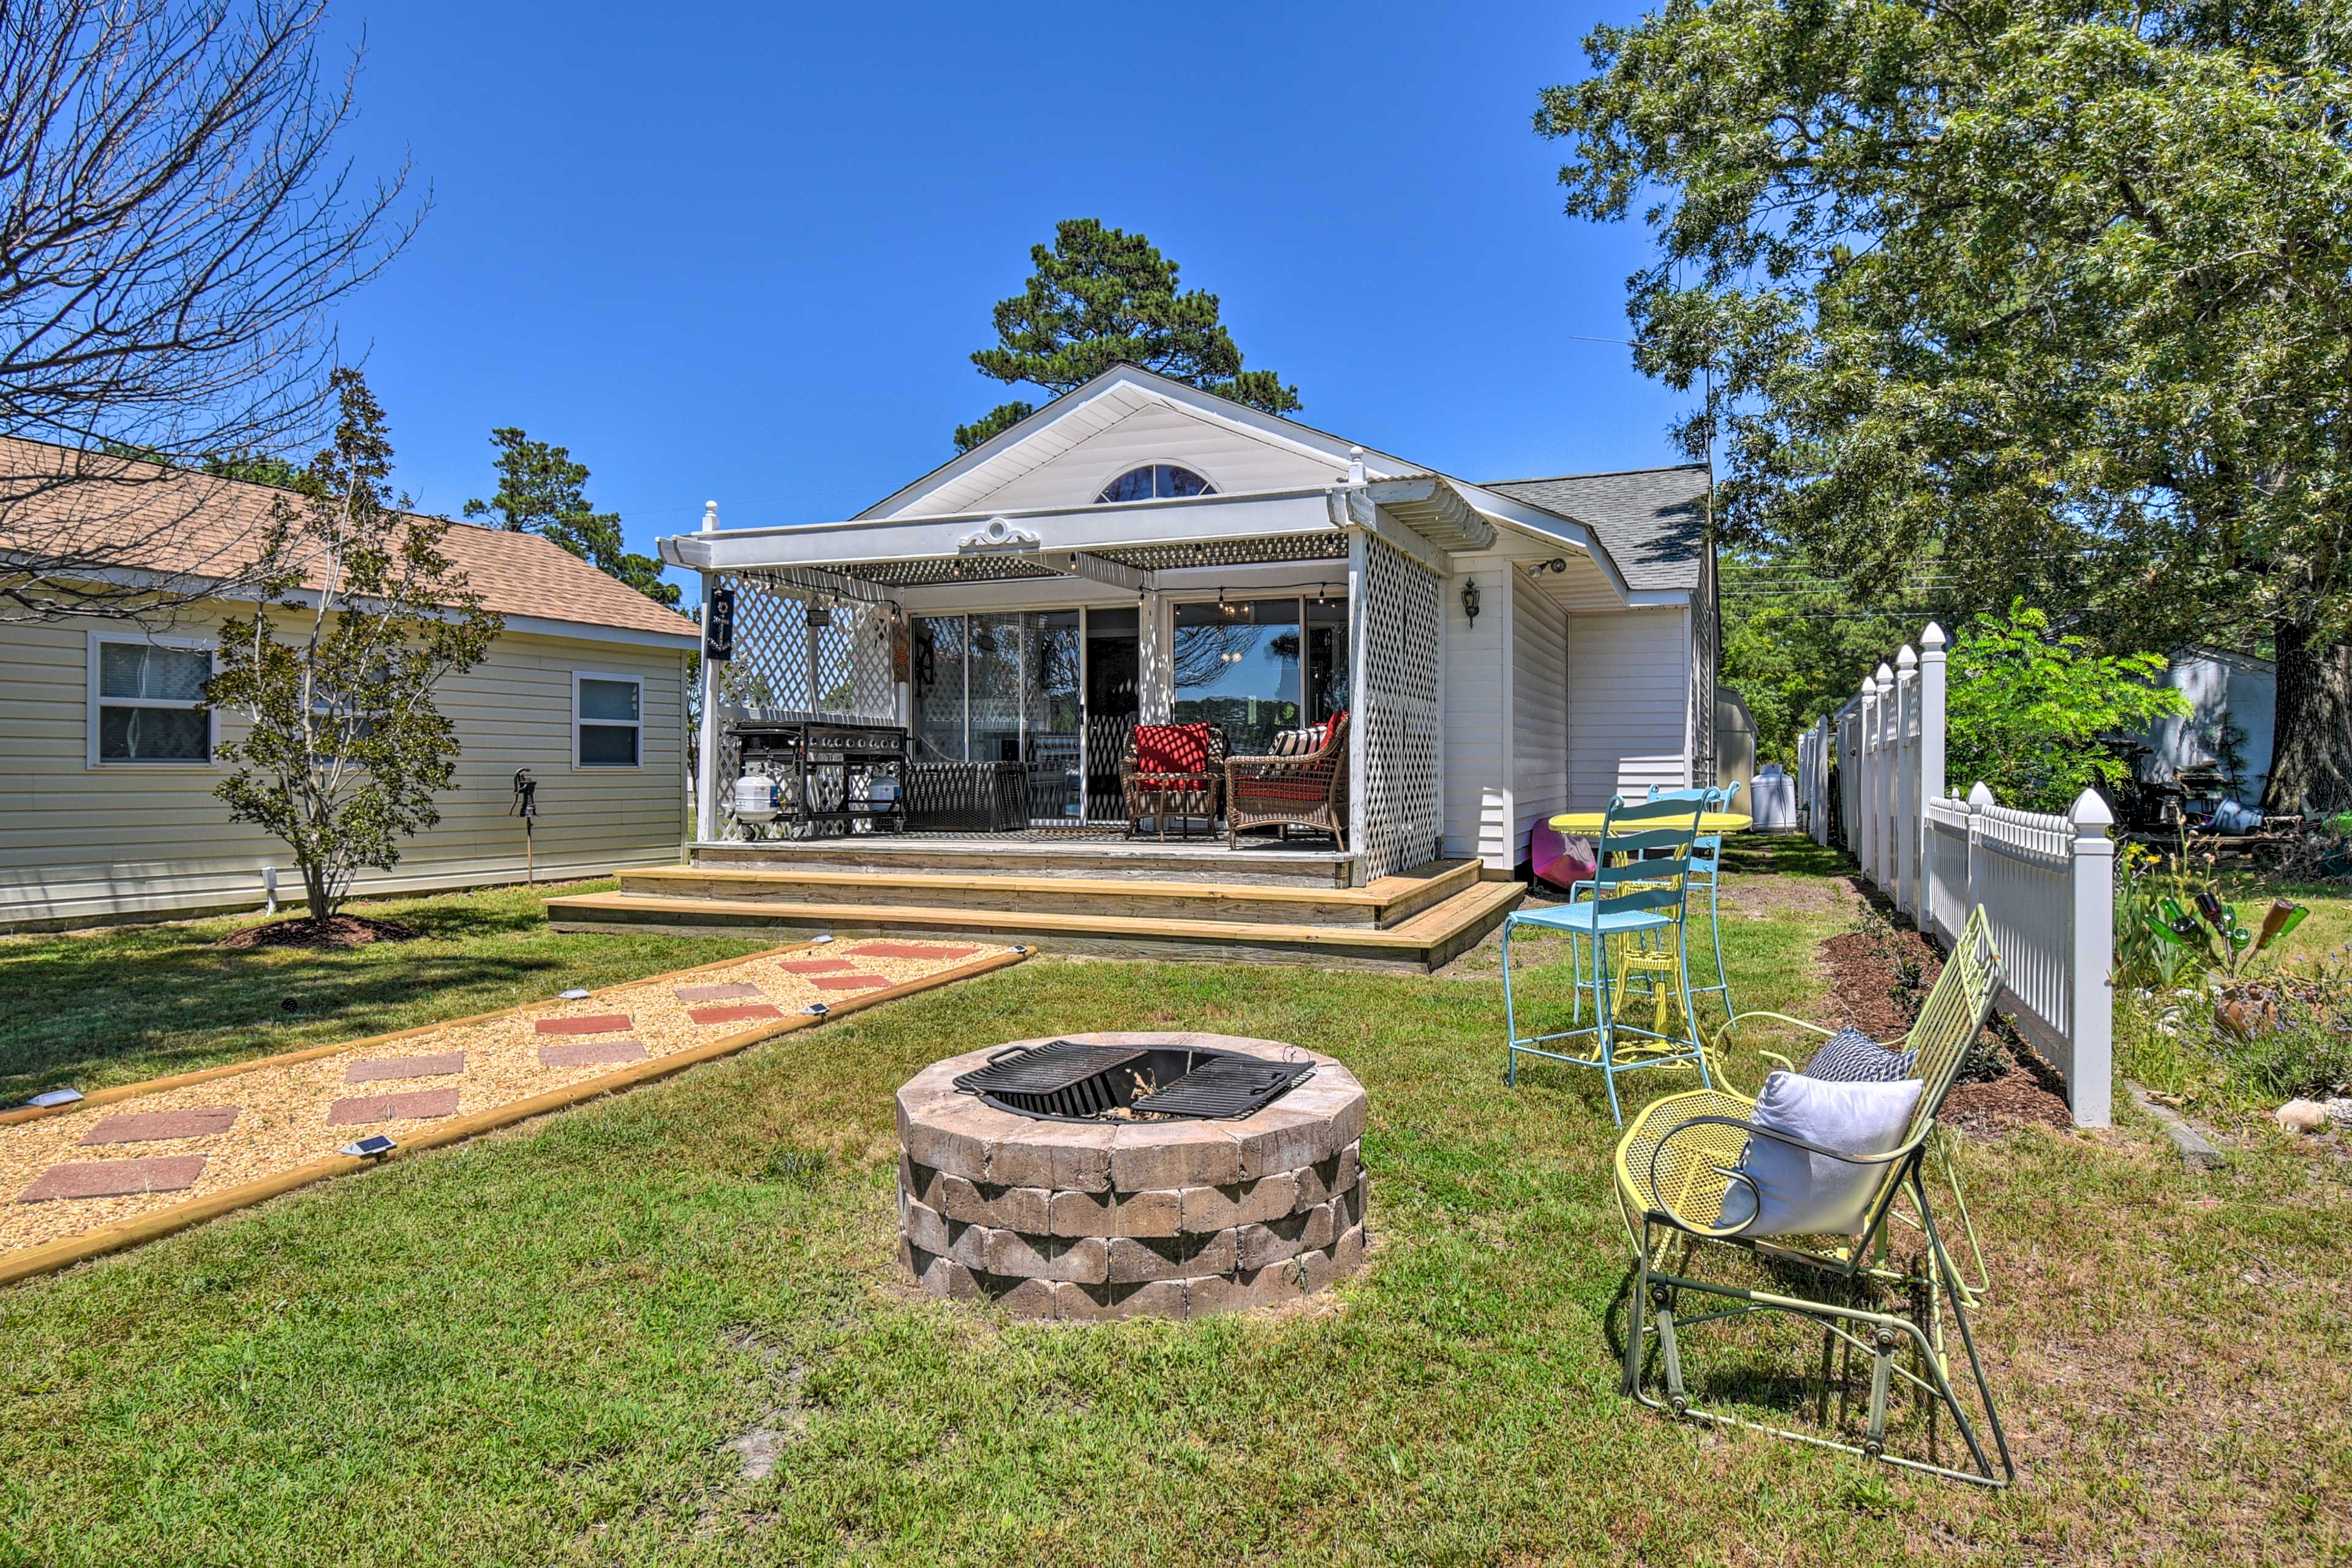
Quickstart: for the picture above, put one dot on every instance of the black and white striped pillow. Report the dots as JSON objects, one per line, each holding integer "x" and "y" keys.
{"x": 1852, "y": 1056}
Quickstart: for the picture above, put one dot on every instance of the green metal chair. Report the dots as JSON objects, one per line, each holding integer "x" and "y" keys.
{"x": 1682, "y": 1156}
{"x": 1636, "y": 900}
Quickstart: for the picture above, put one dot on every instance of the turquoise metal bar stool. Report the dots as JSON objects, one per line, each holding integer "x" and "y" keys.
{"x": 1639, "y": 891}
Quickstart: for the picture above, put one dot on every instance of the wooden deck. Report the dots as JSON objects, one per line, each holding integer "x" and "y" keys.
{"x": 1413, "y": 921}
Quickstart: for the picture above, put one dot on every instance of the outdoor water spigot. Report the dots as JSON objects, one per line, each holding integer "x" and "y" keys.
{"x": 526, "y": 794}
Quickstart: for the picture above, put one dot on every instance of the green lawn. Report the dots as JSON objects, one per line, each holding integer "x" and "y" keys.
{"x": 119, "y": 1005}
{"x": 535, "y": 1348}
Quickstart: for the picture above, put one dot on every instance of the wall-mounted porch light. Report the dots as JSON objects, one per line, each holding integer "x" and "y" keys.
{"x": 1470, "y": 599}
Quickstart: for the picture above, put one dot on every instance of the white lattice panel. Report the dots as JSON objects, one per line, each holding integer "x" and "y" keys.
{"x": 1401, "y": 622}
{"x": 787, "y": 668}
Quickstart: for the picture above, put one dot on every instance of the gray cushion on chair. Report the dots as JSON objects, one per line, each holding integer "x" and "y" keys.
{"x": 1803, "y": 1193}
{"x": 1852, "y": 1056}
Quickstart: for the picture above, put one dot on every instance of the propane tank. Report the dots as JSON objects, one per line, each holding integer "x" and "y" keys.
{"x": 755, "y": 797}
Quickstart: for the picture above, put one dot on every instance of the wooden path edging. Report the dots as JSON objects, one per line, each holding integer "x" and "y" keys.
{"x": 69, "y": 1250}
{"x": 120, "y": 1091}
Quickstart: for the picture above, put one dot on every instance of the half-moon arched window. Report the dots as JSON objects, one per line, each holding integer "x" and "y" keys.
{"x": 1156, "y": 481}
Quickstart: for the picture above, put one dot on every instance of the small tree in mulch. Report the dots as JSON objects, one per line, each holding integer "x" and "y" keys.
{"x": 334, "y": 671}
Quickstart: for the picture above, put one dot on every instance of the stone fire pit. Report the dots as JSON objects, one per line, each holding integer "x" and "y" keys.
{"x": 1116, "y": 1217}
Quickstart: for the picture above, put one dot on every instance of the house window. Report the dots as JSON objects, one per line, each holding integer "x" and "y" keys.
{"x": 1155, "y": 482}
{"x": 144, "y": 701}
{"x": 607, "y": 713}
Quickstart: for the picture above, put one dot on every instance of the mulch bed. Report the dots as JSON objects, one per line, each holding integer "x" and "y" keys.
{"x": 335, "y": 931}
{"x": 1878, "y": 977}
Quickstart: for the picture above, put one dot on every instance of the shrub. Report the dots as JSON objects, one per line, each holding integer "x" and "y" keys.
{"x": 2026, "y": 711}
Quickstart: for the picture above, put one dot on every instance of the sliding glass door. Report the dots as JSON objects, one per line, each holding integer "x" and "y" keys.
{"x": 1258, "y": 667}
{"x": 1043, "y": 688}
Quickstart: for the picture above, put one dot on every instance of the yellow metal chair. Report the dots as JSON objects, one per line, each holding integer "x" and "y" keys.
{"x": 1683, "y": 1155}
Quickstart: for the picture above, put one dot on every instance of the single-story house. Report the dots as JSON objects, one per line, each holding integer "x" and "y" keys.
{"x": 107, "y": 808}
{"x": 1139, "y": 551}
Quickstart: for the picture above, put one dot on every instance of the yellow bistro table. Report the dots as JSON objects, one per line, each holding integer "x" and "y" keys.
{"x": 1587, "y": 824}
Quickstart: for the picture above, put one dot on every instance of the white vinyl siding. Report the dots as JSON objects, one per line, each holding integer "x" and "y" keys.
{"x": 79, "y": 842}
{"x": 1539, "y": 701}
{"x": 1233, "y": 460}
{"x": 1628, "y": 722}
{"x": 1476, "y": 727}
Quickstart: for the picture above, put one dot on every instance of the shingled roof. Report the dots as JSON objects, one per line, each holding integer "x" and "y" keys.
{"x": 198, "y": 526}
{"x": 1652, "y": 522}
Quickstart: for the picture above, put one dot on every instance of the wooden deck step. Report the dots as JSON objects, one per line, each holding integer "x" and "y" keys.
{"x": 1422, "y": 942}
{"x": 1205, "y": 859}
{"x": 1389, "y": 901}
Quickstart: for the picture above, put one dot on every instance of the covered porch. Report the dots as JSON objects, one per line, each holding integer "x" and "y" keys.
{"x": 1015, "y": 654}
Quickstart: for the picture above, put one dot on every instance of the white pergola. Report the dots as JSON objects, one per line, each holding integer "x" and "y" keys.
{"x": 817, "y": 606}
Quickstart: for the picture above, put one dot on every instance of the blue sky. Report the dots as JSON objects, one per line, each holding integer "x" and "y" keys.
{"x": 741, "y": 252}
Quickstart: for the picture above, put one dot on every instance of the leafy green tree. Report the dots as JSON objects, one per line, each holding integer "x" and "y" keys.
{"x": 1100, "y": 296}
{"x": 542, "y": 490}
{"x": 2024, "y": 710}
{"x": 1796, "y": 647}
{"x": 2054, "y": 288}
{"x": 334, "y": 671}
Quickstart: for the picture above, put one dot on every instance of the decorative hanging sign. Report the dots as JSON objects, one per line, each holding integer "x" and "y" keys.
{"x": 719, "y": 626}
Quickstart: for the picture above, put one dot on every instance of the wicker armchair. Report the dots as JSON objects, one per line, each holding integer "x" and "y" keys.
{"x": 1306, "y": 791}
{"x": 1172, "y": 769}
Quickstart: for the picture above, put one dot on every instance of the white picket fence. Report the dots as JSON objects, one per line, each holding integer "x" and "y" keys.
{"x": 2046, "y": 883}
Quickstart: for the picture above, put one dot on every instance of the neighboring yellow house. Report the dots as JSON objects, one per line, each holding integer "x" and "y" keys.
{"x": 106, "y": 773}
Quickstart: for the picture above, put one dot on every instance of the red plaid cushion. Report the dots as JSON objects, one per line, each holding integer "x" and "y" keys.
{"x": 1311, "y": 786}
{"x": 1171, "y": 748}
{"x": 1170, "y": 781}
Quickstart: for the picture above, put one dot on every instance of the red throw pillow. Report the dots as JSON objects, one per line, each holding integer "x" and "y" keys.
{"x": 1171, "y": 748}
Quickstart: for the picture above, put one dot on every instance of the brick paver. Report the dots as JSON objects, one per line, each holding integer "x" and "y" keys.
{"x": 817, "y": 967}
{"x": 743, "y": 1015}
{"x": 846, "y": 981}
{"x": 439, "y": 1064}
{"x": 716, "y": 993}
{"x": 361, "y": 1108}
{"x": 590, "y": 1053}
{"x": 115, "y": 1178}
{"x": 153, "y": 1126}
{"x": 592, "y": 1024}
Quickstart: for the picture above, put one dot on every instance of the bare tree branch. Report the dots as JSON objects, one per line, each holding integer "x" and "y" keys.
{"x": 173, "y": 227}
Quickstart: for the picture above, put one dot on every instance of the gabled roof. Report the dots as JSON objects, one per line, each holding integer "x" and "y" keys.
{"x": 1652, "y": 522}
{"x": 198, "y": 526}
{"x": 956, "y": 484}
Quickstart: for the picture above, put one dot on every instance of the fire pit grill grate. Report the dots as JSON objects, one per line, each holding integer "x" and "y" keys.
{"x": 1063, "y": 1079}
{"x": 1223, "y": 1087}
{"x": 1068, "y": 1081}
